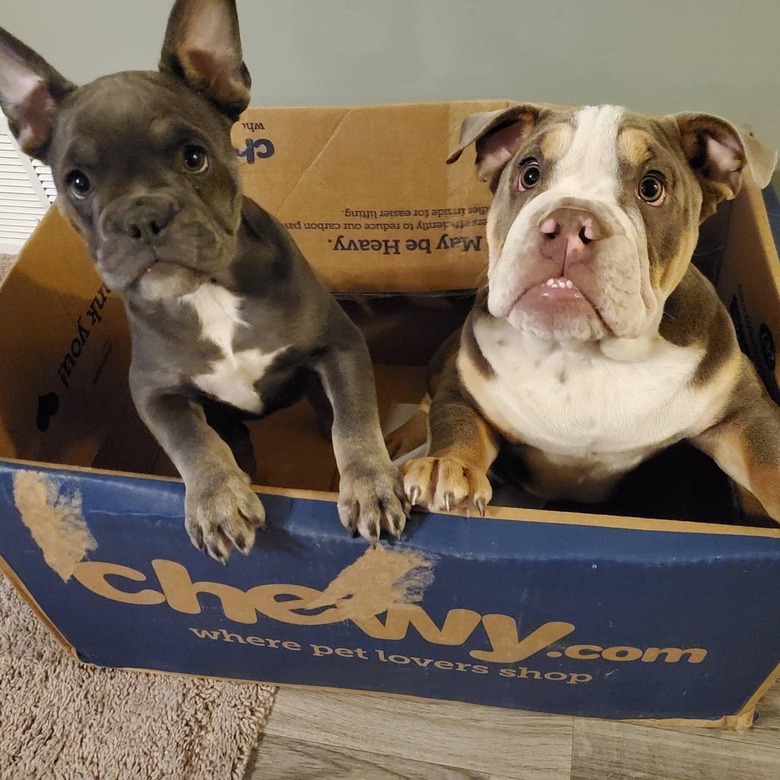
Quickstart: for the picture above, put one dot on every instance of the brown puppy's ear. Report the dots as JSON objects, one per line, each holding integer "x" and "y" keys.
{"x": 718, "y": 151}
{"x": 30, "y": 93}
{"x": 203, "y": 47}
{"x": 497, "y": 135}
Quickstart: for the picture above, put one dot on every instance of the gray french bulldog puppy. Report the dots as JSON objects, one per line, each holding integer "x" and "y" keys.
{"x": 228, "y": 320}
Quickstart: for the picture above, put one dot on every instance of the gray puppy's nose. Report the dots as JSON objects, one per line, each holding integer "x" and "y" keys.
{"x": 147, "y": 219}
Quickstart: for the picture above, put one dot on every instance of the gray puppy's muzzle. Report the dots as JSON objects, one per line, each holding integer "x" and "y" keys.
{"x": 158, "y": 235}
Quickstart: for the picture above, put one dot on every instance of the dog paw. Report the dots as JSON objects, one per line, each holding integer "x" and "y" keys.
{"x": 222, "y": 512}
{"x": 444, "y": 484}
{"x": 372, "y": 501}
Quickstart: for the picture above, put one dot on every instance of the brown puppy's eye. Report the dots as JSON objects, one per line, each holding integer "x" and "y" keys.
{"x": 195, "y": 159}
{"x": 652, "y": 188}
{"x": 78, "y": 184}
{"x": 530, "y": 173}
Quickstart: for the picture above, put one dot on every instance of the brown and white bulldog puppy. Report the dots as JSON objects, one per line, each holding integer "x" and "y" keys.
{"x": 596, "y": 343}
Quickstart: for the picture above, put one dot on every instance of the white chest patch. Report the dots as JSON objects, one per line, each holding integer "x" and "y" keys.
{"x": 232, "y": 377}
{"x": 577, "y": 402}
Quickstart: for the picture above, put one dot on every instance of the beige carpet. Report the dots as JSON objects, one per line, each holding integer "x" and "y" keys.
{"x": 63, "y": 719}
{"x": 60, "y": 719}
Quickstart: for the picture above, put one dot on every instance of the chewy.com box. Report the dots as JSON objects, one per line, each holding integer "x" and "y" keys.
{"x": 659, "y": 605}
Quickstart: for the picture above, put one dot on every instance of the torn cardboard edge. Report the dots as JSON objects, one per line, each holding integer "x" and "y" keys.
{"x": 738, "y": 722}
{"x": 750, "y": 233}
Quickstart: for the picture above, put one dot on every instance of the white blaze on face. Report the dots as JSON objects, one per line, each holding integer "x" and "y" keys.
{"x": 590, "y": 167}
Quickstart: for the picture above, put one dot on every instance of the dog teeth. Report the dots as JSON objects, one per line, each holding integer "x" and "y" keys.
{"x": 559, "y": 284}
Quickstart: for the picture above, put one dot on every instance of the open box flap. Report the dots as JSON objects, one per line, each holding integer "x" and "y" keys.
{"x": 65, "y": 349}
{"x": 366, "y": 194}
{"x": 749, "y": 282}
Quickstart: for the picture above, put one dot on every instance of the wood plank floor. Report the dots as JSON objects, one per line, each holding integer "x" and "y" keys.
{"x": 314, "y": 735}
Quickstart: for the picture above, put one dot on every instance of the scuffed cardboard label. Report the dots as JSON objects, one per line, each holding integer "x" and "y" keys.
{"x": 54, "y": 520}
{"x": 375, "y": 582}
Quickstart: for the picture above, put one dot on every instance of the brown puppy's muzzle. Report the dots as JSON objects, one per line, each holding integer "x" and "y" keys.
{"x": 575, "y": 272}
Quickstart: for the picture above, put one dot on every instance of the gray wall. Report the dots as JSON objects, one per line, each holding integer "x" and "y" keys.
{"x": 659, "y": 55}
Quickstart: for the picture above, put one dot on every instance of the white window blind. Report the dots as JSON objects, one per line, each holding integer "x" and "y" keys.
{"x": 26, "y": 192}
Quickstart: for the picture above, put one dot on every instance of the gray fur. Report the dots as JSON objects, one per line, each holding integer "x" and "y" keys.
{"x": 158, "y": 232}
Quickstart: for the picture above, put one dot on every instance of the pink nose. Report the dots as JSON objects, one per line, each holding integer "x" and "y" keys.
{"x": 569, "y": 234}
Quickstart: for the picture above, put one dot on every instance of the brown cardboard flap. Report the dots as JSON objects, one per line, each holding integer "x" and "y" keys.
{"x": 750, "y": 283}
{"x": 65, "y": 348}
{"x": 367, "y": 195}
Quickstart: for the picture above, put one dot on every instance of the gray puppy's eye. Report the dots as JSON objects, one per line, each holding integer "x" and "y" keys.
{"x": 195, "y": 159}
{"x": 78, "y": 184}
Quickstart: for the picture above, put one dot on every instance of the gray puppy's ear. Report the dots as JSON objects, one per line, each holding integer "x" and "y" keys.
{"x": 30, "y": 94}
{"x": 718, "y": 152}
{"x": 497, "y": 135}
{"x": 203, "y": 47}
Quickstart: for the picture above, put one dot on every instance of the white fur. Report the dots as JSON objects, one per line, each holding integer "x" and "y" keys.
{"x": 604, "y": 408}
{"x": 590, "y": 168}
{"x": 232, "y": 378}
{"x": 219, "y": 312}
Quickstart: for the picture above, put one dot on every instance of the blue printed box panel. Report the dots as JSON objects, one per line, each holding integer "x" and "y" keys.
{"x": 557, "y": 617}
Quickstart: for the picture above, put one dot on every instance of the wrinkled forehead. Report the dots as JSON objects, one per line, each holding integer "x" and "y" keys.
{"x": 601, "y": 144}
{"x": 130, "y": 115}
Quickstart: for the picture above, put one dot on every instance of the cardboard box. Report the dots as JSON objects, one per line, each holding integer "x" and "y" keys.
{"x": 365, "y": 192}
{"x": 575, "y": 612}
